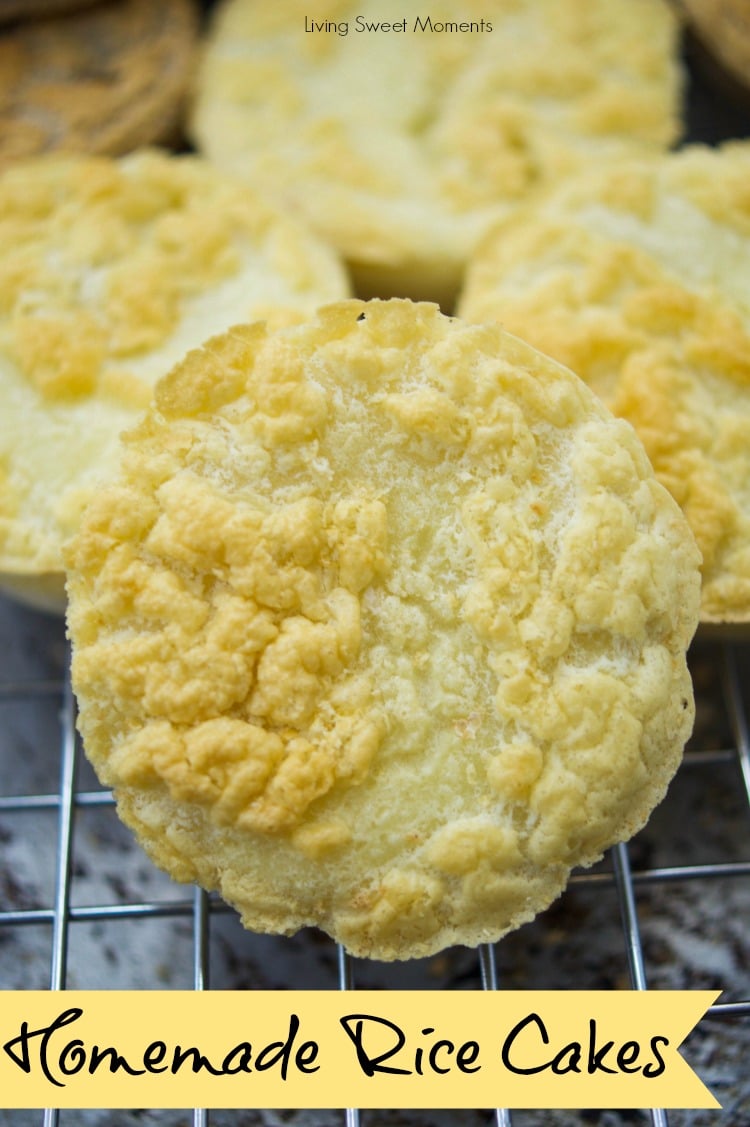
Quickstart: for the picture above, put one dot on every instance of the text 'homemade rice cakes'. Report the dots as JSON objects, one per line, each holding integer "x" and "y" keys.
{"x": 383, "y": 628}
{"x": 402, "y": 136}
{"x": 109, "y": 272}
{"x": 637, "y": 278}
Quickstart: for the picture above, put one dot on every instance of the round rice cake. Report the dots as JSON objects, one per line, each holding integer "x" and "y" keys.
{"x": 401, "y": 136}
{"x": 110, "y": 270}
{"x": 636, "y": 278}
{"x": 383, "y": 628}
{"x": 104, "y": 80}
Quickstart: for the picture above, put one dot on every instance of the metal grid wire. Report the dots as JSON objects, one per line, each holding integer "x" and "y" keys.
{"x": 63, "y": 918}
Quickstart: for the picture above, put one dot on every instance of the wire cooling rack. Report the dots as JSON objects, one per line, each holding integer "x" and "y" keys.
{"x": 80, "y": 906}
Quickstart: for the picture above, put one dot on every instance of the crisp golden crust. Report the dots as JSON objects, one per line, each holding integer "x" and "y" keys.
{"x": 469, "y": 122}
{"x": 105, "y": 79}
{"x": 636, "y": 278}
{"x": 109, "y": 272}
{"x": 383, "y": 628}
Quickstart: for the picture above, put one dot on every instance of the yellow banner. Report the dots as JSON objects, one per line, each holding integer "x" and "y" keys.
{"x": 368, "y": 1049}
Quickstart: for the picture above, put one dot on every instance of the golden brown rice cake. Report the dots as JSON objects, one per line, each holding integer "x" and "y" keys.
{"x": 383, "y": 628}
{"x": 723, "y": 29}
{"x": 105, "y": 79}
{"x": 109, "y": 272}
{"x": 32, "y": 9}
{"x": 401, "y": 135}
{"x": 637, "y": 278}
